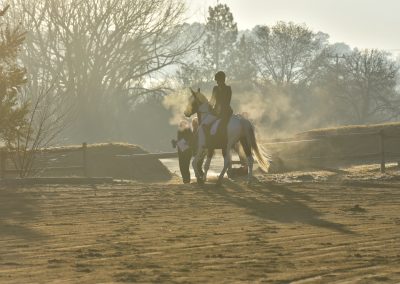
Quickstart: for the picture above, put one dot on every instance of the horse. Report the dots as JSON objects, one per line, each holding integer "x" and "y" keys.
{"x": 239, "y": 129}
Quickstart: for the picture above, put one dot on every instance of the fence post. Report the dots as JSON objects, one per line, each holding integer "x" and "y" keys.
{"x": 3, "y": 163}
{"x": 382, "y": 148}
{"x": 84, "y": 158}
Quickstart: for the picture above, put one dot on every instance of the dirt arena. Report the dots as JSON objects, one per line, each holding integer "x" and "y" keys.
{"x": 297, "y": 228}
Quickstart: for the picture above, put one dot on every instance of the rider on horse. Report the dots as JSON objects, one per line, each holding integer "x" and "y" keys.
{"x": 220, "y": 101}
{"x": 237, "y": 129}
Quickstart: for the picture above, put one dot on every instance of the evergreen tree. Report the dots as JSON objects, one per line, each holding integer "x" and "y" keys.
{"x": 12, "y": 78}
{"x": 221, "y": 35}
{"x": 215, "y": 51}
{"x": 241, "y": 65}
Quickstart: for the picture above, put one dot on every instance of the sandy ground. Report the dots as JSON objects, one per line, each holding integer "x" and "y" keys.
{"x": 317, "y": 227}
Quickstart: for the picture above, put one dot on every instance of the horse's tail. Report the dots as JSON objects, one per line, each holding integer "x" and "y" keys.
{"x": 261, "y": 154}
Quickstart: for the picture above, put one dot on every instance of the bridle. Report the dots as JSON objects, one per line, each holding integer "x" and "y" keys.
{"x": 201, "y": 110}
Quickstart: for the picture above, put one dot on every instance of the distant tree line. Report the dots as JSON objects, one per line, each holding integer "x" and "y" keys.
{"x": 324, "y": 84}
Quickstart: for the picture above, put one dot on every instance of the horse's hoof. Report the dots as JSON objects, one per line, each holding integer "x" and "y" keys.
{"x": 200, "y": 181}
{"x": 252, "y": 180}
{"x": 219, "y": 182}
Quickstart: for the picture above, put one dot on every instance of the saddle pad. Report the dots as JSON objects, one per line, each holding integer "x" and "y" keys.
{"x": 214, "y": 127}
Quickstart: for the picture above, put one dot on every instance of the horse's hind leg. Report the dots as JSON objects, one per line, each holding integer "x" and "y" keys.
{"x": 250, "y": 160}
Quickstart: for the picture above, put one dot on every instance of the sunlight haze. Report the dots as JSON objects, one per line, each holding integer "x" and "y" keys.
{"x": 358, "y": 23}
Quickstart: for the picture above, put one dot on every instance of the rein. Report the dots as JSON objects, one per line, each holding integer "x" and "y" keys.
{"x": 200, "y": 112}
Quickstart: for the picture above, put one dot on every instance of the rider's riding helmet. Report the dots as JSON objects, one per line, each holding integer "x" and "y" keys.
{"x": 220, "y": 76}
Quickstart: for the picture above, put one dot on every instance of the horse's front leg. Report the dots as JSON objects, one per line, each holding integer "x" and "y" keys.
{"x": 227, "y": 164}
{"x": 200, "y": 164}
{"x": 210, "y": 154}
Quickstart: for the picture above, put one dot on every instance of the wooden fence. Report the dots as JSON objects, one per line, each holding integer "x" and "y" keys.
{"x": 160, "y": 156}
{"x": 5, "y": 161}
{"x": 381, "y": 155}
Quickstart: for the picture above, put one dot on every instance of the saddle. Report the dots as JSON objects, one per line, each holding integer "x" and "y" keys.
{"x": 215, "y": 137}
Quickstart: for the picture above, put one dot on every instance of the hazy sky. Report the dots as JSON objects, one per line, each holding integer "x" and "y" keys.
{"x": 359, "y": 23}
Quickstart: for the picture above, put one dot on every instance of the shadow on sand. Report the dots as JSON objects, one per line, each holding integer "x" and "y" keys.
{"x": 273, "y": 202}
{"x": 17, "y": 210}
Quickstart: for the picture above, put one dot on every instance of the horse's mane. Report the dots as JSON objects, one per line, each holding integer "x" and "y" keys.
{"x": 202, "y": 98}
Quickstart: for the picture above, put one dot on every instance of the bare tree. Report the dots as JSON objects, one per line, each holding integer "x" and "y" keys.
{"x": 101, "y": 51}
{"x": 287, "y": 53}
{"x": 365, "y": 86}
{"x": 45, "y": 121}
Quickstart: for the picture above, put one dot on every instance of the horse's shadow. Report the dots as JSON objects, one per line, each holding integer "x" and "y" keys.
{"x": 273, "y": 202}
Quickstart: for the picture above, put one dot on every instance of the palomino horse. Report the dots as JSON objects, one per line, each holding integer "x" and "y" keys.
{"x": 239, "y": 129}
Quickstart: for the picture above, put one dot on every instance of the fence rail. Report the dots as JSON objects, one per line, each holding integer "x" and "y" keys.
{"x": 4, "y": 156}
{"x": 381, "y": 155}
{"x": 164, "y": 155}
{"x": 160, "y": 156}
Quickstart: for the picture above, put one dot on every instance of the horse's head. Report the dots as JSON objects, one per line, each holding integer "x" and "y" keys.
{"x": 195, "y": 101}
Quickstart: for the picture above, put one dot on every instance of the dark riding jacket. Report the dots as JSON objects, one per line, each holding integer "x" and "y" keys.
{"x": 221, "y": 101}
{"x": 188, "y": 135}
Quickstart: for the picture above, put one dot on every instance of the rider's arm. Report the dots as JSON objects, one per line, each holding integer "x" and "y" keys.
{"x": 213, "y": 99}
